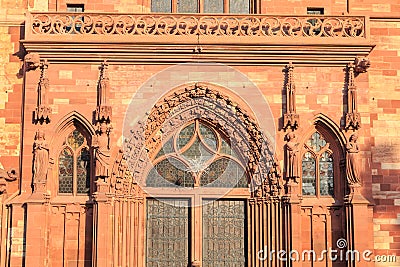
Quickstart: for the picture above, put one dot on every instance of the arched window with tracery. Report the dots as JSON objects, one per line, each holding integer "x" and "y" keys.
{"x": 197, "y": 157}
{"x": 74, "y": 163}
{"x": 317, "y": 167}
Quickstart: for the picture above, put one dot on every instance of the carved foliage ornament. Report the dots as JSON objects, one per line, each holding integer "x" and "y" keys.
{"x": 197, "y": 24}
{"x": 187, "y": 104}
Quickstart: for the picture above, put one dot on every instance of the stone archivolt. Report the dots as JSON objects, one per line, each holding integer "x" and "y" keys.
{"x": 186, "y": 104}
{"x": 196, "y": 24}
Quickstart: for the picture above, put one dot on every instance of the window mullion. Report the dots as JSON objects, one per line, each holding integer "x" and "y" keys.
{"x": 317, "y": 181}
{"x": 175, "y": 5}
{"x": 226, "y": 6}
{"x": 74, "y": 174}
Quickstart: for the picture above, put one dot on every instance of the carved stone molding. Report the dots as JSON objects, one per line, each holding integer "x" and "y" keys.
{"x": 186, "y": 104}
{"x": 42, "y": 113}
{"x": 353, "y": 117}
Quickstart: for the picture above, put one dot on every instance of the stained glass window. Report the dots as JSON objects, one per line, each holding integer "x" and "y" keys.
{"x": 213, "y": 6}
{"x": 83, "y": 171}
{"x": 187, "y": 6}
{"x": 224, "y": 173}
{"x": 239, "y": 6}
{"x": 309, "y": 186}
{"x": 317, "y": 167}
{"x": 167, "y": 232}
{"x": 197, "y": 151}
{"x": 74, "y": 165}
{"x": 224, "y": 233}
{"x": 164, "y": 6}
{"x": 326, "y": 174}
{"x": 65, "y": 171}
{"x": 169, "y": 173}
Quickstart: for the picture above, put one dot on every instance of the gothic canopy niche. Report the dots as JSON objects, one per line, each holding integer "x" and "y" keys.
{"x": 175, "y": 109}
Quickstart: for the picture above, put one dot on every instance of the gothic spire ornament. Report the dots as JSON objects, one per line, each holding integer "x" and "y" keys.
{"x": 103, "y": 111}
{"x": 353, "y": 118}
{"x": 43, "y": 111}
{"x": 290, "y": 117}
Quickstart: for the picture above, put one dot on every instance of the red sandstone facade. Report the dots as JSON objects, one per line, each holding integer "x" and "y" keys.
{"x": 103, "y": 92}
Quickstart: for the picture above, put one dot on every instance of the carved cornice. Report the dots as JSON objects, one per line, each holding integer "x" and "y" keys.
{"x": 173, "y": 38}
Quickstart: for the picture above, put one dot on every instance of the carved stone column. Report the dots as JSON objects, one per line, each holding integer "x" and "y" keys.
{"x": 102, "y": 226}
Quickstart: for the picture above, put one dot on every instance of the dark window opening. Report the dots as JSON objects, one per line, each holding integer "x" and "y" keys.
{"x": 75, "y": 7}
{"x": 315, "y": 10}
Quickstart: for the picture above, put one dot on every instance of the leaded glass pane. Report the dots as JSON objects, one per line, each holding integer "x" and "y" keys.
{"x": 224, "y": 173}
{"x": 326, "y": 174}
{"x": 316, "y": 142}
{"x": 83, "y": 171}
{"x": 65, "y": 171}
{"x": 167, "y": 232}
{"x": 169, "y": 173}
{"x": 224, "y": 233}
{"x": 161, "y": 6}
{"x": 213, "y": 6}
{"x": 75, "y": 139}
{"x": 308, "y": 165}
{"x": 239, "y": 6}
{"x": 197, "y": 155}
{"x": 208, "y": 136}
{"x": 188, "y": 6}
{"x": 167, "y": 148}
{"x": 185, "y": 135}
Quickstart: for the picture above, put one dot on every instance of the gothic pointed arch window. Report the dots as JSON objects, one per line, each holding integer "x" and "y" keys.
{"x": 184, "y": 227}
{"x": 74, "y": 162}
{"x": 317, "y": 167}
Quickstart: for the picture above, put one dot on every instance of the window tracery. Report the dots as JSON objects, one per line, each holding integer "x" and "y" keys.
{"x": 317, "y": 167}
{"x": 74, "y": 165}
{"x": 197, "y": 156}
